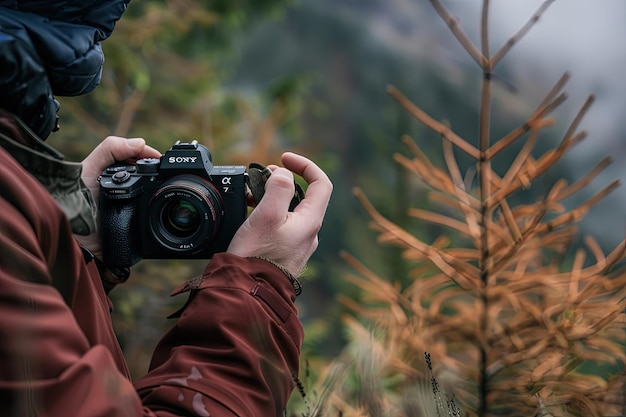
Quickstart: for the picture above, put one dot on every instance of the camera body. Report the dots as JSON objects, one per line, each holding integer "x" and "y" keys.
{"x": 177, "y": 207}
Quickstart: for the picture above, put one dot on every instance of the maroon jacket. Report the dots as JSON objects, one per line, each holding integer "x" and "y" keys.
{"x": 234, "y": 350}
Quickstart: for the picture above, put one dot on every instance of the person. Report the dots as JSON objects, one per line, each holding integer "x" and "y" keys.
{"x": 234, "y": 349}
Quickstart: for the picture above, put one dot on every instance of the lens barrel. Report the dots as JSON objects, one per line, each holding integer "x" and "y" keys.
{"x": 185, "y": 214}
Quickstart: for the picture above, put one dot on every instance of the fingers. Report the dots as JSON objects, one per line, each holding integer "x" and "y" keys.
{"x": 279, "y": 190}
{"x": 115, "y": 148}
{"x": 271, "y": 231}
{"x": 319, "y": 187}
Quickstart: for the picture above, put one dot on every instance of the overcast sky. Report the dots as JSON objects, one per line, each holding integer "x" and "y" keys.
{"x": 588, "y": 39}
{"x": 585, "y": 37}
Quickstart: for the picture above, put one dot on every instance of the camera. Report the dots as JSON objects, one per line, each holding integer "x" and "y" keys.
{"x": 178, "y": 206}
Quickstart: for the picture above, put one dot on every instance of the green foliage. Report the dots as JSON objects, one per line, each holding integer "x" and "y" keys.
{"x": 163, "y": 63}
{"x": 252, "y": 78}
{"x": 164, "y": 80}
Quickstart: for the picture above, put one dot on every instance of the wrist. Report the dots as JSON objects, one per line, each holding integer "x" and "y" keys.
{"x": 295, "y": 282}
{"x": 110, "y": 276}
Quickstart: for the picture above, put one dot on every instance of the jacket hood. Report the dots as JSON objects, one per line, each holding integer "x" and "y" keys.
{"x": 50, "y": 48}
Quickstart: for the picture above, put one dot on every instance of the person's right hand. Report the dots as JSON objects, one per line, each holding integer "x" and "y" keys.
{"x": 272, "y": 231}
{"x": 110, "y": 150}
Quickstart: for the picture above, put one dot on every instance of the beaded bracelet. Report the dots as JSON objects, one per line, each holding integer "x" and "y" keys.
{"x": 295, "y": 282}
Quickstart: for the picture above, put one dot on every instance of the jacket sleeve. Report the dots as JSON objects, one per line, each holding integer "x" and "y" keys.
{"x": 233, "y": 352}
{"x": 235, "y": 348}
{"x": 58, "y": 353}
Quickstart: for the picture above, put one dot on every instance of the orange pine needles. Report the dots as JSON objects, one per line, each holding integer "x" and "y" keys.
{"x": 508, "y": 325}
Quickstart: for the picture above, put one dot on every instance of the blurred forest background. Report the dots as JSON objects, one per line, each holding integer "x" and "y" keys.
{"x": 253, "y": 78}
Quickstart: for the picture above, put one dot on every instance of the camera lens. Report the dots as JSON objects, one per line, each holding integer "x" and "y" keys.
{"x": 180, "y": 217}
{"x": 185, "y": 214}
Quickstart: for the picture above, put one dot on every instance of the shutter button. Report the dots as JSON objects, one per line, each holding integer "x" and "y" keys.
{"x": 120, "y": 176}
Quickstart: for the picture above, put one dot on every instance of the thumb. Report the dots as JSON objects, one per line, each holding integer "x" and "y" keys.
{"x": 273, "y": 207}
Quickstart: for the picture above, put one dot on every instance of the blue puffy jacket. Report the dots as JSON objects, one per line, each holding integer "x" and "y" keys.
{"x": 51, "y": 48}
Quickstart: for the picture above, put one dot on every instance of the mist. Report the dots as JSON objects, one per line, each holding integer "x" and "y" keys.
{"x": 586, "y": 39}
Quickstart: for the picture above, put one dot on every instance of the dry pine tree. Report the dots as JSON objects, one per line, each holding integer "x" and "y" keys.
{"x": 506, "y": 324}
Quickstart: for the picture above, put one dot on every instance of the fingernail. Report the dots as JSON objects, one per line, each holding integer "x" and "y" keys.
{"x": 136, "y": 142}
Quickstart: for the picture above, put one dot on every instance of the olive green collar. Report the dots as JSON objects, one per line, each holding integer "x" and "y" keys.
{"x": 61, "y": 179}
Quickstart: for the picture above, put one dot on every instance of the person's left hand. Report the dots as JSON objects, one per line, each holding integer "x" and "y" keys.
{"x": 287, "y": 238}
{"x": 110, "y": 150}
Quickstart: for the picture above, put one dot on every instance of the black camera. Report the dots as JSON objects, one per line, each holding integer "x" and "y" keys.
{"x": 178, "y": 206}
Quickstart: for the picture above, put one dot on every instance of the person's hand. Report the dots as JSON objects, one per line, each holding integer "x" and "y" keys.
{"x": 273, "y": 232}
{"x": 110, "y": 150}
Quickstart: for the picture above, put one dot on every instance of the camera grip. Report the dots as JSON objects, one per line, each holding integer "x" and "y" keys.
{"x": 120, "y": 234}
